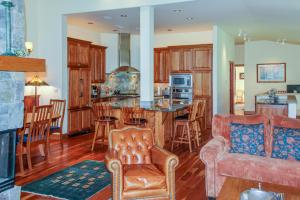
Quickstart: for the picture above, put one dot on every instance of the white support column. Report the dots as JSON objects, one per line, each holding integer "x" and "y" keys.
{"x": 147, "y": 55}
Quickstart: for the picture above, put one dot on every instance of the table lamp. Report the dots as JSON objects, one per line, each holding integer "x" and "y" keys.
{"x": 36, "y": 81}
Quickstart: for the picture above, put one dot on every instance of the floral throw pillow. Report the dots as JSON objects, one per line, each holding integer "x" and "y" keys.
{"x": 286, "y": 143}
{"x": 247, "y": 139}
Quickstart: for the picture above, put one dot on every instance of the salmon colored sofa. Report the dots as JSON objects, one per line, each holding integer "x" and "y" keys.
{"x": 221, "y": 164}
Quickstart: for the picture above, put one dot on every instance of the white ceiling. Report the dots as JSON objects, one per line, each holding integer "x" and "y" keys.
{"x": 260, "y": 19}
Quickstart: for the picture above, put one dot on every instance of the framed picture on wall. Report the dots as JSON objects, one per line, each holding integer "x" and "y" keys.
{"x": 242, "y": 76}
{"x": 271, "y": 73}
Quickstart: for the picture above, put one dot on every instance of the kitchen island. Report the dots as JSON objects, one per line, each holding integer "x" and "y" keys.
{"x": 160, "y": 115}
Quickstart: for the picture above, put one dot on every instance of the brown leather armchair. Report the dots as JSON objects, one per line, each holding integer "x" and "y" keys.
{"x": 139, "y": 168}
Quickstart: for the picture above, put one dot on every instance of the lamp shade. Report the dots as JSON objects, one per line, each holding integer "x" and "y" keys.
{"x": 36, "y": 81}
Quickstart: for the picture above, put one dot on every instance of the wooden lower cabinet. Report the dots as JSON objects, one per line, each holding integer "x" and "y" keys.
{"x": 79, "y": 120}
{"x": 86, "y": 119}
{"x": 74, "y": 121}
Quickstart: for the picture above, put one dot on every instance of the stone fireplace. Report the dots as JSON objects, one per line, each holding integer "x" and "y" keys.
{"x": 7, "y": 164}
{"x": 11, "y": 104}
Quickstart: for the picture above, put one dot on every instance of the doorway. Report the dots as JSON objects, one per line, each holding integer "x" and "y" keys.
{"x": 237, "y": 89}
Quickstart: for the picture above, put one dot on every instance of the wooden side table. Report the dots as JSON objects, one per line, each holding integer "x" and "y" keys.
{"x": 233, "y": 187}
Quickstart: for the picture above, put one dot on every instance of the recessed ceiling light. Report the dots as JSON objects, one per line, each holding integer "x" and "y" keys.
{"x": 189, "y": 18}
{"x": 177, "y": 10}
{"x": 90, "y": 22}
{"x": 107, "y": 17}
{"x": 170, "y": 30}
{"x": 123, "y": 15}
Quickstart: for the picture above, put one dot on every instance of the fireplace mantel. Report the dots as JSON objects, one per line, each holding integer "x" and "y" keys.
{"x": 20, "y": 64}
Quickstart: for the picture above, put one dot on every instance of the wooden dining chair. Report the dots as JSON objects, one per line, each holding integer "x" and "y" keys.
{"x": 39, "y": 132}
{"x": 104, "y": 122}
{"x": 20, "y": 151}
{"x": 59, "y": 107}
{"x": 134, "y": 117}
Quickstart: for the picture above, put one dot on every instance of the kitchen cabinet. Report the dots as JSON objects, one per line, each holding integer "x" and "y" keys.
{"x": 79, "y": 88}
{"x": 187, "y": 59}
{"x": 74, "y": 121}
{"x": 175, "y": 59}
{"x": 78, "y": 53}
{"x": 86, "y": 119}
{"x": 79, "y": 120}
{"x": 98, "y": 63}
{"x": 190, "y": 58}
{"x": 202, "y": 58}
{"x": 79, "y": 117}
{"x": 197, "y": 60}
{"x": 161, "y": 65}
{"x": 202, "y": 90}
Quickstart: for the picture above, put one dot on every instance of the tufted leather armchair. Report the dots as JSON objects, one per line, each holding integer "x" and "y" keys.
{"x": 139, "y": 168}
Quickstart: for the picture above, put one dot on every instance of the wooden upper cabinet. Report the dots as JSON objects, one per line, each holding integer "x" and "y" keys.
{"x": 175, "y": 59}
{"x": 72, "y": 52}
{"x": 187, "y": 61}
{"x": 98, "y": 63}
{"x": 190, "y": 58}
{"x": 78, "y": 53}
{"x": 161, "y": 66}
{"x": 202, "y": 58}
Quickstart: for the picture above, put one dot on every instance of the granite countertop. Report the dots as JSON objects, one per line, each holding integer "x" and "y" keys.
{"x": 267, "y": 101}
{"x": 162, "y": 105}
{"x": 280, "y": 101}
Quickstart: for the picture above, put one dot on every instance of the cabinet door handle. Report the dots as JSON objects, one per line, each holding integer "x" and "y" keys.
{"x": 81, "y": 87}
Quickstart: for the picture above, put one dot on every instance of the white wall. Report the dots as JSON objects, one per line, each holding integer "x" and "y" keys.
{"x": 269, "y": 52}
{"x": 239, "y": 83}
{"x": 83, "y": 34}
{"x": 173, "y": 39}
{"x": 239, "y": 54}
{"x": 223, "y": 51}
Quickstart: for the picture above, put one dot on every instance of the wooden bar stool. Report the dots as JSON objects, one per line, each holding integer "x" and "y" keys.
{"x": 190, "y": 129}
{"x": 134, "y": 117}
{"x": 104, "y": 122}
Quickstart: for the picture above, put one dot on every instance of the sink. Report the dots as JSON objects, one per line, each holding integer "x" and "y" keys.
{"x": 256, "y": 194}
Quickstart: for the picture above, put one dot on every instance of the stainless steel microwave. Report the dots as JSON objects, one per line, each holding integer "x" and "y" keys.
{"x": 181, "y": 80}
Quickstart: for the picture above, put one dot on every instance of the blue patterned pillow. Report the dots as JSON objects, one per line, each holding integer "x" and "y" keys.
{"x": 247, "y": 139}
{"x": 286, "y": 143}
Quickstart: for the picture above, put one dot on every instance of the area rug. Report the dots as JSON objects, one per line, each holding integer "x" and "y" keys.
{"x": 77, "y": 182}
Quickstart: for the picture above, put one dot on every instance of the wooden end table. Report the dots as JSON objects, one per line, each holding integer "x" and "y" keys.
{"x": 233, "y": 187}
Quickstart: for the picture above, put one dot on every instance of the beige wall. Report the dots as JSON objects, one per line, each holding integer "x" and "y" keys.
{"x": 269, "y": 52}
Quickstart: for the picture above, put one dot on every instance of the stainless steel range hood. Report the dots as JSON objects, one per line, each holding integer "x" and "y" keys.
{"x": 124, "y": 55}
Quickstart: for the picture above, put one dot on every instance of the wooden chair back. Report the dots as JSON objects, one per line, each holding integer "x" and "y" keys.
{"x": 40, "y": 124}
{"x": 201, "y": 109}
{"x": 194, "y": 110}
{"x": 58, "y": 107}
{"x": 21, "y": 131}
{"x": 102, "y": 110}
{"x": 135, "y": 115}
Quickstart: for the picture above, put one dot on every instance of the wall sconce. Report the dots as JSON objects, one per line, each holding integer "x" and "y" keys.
{"x": 29, "y": 47}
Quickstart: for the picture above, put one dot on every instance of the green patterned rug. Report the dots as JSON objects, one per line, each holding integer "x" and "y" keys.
{"x": 77, "y": 182}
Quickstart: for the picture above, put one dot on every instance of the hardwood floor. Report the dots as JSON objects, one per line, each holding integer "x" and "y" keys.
{"x": 190, "y": 175}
